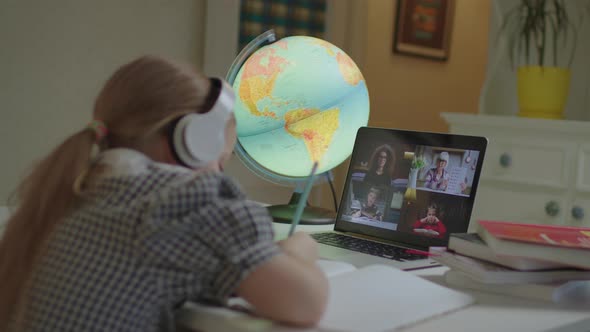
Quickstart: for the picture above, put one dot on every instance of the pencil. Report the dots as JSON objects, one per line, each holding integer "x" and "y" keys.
{"x": 303, "y": 199}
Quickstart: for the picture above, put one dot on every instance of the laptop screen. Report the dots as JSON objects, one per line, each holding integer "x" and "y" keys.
{"x": 411, "y": 187}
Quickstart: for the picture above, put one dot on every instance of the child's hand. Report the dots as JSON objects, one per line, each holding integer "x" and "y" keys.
{"x": 301, "y": 246}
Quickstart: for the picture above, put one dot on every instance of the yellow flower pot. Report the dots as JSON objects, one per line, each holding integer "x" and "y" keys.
{"x": 542, "y": 91}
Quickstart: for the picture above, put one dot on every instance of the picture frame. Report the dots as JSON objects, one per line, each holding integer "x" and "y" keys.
{"x": 423, "y": 28}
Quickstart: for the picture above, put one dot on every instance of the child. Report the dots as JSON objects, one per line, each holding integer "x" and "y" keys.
{"x": 117, "y": 242}
{"x": 369, "y": 209}
{"x": 430, "y": 225}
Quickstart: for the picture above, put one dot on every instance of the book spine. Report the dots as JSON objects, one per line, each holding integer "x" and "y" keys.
{"x": 539, "y": 292}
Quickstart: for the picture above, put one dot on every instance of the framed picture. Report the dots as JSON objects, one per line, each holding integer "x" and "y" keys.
{"x": 423, "y": 28}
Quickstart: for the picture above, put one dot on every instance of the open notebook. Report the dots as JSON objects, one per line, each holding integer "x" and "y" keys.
{"x": 383, "y": 298}
{"x": 369, "y": 299}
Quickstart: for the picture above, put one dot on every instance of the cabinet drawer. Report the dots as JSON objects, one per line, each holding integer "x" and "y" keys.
{"x": 511, "y": 204}
{"x": 528, "y": 162}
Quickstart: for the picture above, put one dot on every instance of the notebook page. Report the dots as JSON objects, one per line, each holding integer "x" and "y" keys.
{"x": 332, "y": 268}
{"x": 381, "y": 298}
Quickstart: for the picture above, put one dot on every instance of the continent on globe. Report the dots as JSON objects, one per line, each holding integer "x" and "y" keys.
{"x": 347, "y": 67}
{"x": 314, "y": 127}
{"x": 258, "y": 79}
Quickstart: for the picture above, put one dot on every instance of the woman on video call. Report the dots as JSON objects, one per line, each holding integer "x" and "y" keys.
{"x": 437, "y": 177}
{"x": 381, "y": 166}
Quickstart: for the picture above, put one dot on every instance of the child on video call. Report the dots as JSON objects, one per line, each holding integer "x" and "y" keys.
{"x": 430, "y": 225}
{"x": 118, "y": 241}
{"x": 369, "y": 208}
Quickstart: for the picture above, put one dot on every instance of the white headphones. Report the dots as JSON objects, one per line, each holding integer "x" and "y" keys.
{"x": 199, "y": 138}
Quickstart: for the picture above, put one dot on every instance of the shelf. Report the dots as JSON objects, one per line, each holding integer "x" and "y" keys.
{"x": 569, "y": 127}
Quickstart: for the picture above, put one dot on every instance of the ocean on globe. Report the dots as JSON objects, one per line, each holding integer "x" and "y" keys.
{"x": 299, "y": 100}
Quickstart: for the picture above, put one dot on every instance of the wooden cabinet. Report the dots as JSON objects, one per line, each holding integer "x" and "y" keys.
{"x": 535, "y": 170}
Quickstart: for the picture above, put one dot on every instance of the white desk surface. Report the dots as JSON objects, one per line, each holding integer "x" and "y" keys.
{"x": 491, "y": 312}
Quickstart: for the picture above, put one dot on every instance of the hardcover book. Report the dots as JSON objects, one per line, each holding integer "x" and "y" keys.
{"x": 562, "y": 236}
{"x": 470, "y": 244}
{"x": 487, "y": 272}
{"x": 570, "y": 293}
{"x": 542, "y": 242}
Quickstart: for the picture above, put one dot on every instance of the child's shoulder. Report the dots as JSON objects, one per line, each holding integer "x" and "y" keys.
{"x": 212, "y": 198}
{"x": 201, "y": 186}
{"x": 131, "y": 174}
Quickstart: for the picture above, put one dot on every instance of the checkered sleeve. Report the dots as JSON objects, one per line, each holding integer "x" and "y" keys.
{"x": 208, "y": 230}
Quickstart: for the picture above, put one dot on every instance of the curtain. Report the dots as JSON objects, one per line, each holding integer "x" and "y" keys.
{"x": 286, "y": 17}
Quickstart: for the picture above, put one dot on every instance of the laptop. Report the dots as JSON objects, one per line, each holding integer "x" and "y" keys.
{"x": 404, "y": 192}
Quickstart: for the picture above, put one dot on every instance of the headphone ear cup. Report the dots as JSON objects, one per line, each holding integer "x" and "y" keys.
{"x": 199, "y": 138}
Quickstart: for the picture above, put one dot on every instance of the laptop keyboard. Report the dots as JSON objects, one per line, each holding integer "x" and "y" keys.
{"x": 365, "y": 246}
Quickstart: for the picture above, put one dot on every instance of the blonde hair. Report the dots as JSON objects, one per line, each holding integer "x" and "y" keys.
{"x": 136, "y": 104}
{"x": 375, "y": 191}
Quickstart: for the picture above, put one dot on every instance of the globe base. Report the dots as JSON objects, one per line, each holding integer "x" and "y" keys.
{"x": 311, "y": 215}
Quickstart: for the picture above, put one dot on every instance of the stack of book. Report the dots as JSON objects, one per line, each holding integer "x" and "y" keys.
{"x": 535, "y": 261}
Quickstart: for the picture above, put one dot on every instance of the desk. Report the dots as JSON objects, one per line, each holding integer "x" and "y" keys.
{"x": 491, "y": 313}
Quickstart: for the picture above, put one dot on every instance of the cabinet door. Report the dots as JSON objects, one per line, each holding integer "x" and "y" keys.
{"x": 499, "y": 202}
{"x": 578, "y": 212}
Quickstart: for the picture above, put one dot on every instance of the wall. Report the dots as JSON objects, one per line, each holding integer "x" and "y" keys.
{"x": 409, "y": 92}
{"x": 55, "y": 56}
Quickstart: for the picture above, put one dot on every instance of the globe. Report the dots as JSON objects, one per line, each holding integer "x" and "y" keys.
{"x": 299, "y": 100}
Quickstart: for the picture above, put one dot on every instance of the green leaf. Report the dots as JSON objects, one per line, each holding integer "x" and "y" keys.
{"x": 417, "y": 163}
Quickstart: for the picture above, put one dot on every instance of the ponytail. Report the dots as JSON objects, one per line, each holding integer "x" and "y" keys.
{"x": 44, "y": 198}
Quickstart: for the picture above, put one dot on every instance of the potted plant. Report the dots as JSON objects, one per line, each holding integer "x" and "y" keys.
{"x": 541, "y": 37}
{"x": 416, "y": 164}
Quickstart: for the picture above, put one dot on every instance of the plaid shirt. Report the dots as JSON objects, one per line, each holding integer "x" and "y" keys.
{"x": 149, "y": 237}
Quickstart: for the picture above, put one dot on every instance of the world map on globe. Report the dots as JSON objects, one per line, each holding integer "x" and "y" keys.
{"x": 299, "y": 100}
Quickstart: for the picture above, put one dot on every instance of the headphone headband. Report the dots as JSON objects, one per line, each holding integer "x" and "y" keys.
{"x": 223, "y": 95}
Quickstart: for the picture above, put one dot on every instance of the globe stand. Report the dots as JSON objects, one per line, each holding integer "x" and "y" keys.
{"x": 311, "y": 215}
